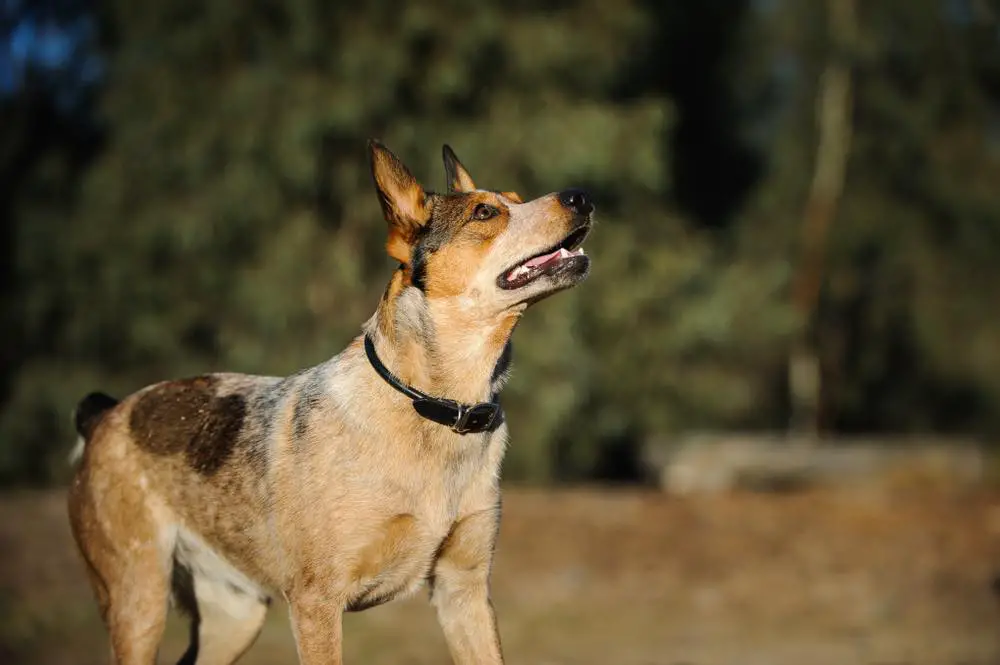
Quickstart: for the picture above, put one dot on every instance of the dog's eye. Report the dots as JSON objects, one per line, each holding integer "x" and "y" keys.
{"x": 484, "y": 211}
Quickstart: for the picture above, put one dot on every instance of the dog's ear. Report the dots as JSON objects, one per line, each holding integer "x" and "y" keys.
{"x": 404, "y": 202}
{"x": 458, "y": 178}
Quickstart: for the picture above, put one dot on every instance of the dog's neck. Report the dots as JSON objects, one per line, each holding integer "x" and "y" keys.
{"x": 447, "y": 348}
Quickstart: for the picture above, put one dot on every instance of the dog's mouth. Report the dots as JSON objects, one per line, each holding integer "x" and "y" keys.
{"x": 565, "y": 257}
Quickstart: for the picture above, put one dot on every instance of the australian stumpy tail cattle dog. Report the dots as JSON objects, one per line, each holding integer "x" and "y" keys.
{"x": 349, "y": 483}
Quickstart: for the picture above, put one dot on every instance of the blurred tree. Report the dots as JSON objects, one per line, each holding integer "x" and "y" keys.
{"x": 50, "y": 71}
{"x": 834, "y": 111}
{"x": 909, "y": 315}
{"x": 230, "y": 221}
{"x": 692, "y": 54}
{"x": 904, "y": 328}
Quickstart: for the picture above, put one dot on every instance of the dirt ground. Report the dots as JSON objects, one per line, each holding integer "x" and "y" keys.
{"x": 625, "y": 577}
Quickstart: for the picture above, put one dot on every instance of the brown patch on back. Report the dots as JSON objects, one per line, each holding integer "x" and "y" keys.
{"x": 188, "y": 418}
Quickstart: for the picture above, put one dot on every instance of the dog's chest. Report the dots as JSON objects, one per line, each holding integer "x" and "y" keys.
{"x": 401, "y": 542}
{"x": 396, "y": 560}
{"x": 393, "y": 512}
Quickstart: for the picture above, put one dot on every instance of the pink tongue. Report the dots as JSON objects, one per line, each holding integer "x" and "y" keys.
{"x": 542, "y": 260}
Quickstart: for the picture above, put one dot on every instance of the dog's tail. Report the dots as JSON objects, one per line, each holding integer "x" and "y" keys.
{"x": 86, "y": 417}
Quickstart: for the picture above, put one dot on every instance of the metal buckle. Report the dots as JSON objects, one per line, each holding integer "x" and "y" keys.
{"x": 461, "y": 420}
{"x": 461, "y": 425}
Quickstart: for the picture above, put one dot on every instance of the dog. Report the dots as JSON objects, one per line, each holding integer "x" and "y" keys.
{"x": 349, "y": 483}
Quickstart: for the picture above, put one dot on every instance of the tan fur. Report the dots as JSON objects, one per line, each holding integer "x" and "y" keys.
{"x": 325, "y": 487}
{"x": 397, "y": 246}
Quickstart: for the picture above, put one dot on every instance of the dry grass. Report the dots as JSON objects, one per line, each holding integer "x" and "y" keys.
{"x": 627, "y": 578}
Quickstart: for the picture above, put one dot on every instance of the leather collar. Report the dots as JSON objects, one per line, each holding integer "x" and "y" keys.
{"x": 461, "y": 418}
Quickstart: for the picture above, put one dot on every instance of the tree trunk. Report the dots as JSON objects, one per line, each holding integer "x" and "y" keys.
{"x": 833, "y": 119}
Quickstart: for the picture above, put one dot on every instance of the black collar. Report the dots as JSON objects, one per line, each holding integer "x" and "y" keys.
{"x": 461, "y": 418}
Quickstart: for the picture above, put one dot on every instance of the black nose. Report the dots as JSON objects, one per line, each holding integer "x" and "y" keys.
{"x": 577, "y": 201}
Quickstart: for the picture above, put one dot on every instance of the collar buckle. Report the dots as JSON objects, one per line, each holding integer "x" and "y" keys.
{"x": 460, "y": 418}
{"x": 475, "y": 418}
{"x": 461, "y": 425}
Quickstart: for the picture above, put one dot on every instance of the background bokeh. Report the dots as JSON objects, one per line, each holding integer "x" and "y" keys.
{"x": 186, "y": 188}
{"x": 799, "y": 232}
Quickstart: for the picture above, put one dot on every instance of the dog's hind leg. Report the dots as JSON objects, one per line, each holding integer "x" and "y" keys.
{"x": 129, "y": 565}
{"x": 136, "y": 616}
{"x": 225, "y": 620}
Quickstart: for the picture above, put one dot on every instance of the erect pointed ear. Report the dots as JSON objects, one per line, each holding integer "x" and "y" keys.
{"x": 458, "y": 178}
{"x": 404, "y": 203}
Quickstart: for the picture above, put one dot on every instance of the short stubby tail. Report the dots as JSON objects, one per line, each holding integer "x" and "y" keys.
{"x": 87, "y": 417}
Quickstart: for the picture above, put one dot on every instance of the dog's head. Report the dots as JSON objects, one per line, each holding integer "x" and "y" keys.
{"x": 486, "y": 246}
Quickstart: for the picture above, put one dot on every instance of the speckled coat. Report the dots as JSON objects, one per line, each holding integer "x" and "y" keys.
{"x": 325, "y": 487}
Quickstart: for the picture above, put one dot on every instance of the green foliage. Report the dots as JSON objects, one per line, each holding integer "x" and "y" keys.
{"x": 229, "y": 222}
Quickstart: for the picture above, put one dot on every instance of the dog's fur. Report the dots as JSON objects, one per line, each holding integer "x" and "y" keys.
{"x": 326, "y": 487}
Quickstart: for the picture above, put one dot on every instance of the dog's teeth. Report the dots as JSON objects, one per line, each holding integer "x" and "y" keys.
{"x": 561, "y": 253}
{"x": 517, "y": 272}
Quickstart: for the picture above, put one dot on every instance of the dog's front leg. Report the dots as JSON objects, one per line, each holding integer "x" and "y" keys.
{"x": 317, "y": 624}
{"x": 460, "y": 591}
